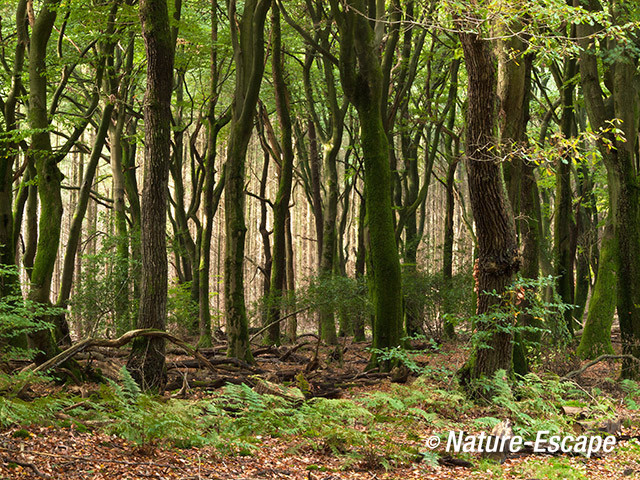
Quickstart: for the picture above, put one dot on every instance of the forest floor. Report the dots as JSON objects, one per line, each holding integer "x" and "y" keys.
{"x": 375, "y": 429}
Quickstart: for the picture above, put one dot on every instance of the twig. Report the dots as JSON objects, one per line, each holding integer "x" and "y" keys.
{"x": 25, "y": 464}
{"x": 601, "y": 358}
{"x": 89, "y": 459}
{"x": 266, "y": 327}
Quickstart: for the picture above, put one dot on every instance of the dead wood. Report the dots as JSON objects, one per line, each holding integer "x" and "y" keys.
{"x": 88, "y": 343}
{"x": 601, "y": 358}
{"x": 8, "y": 460}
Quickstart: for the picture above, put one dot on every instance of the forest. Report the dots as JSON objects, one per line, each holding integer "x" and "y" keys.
{"x": 313, "y": 239}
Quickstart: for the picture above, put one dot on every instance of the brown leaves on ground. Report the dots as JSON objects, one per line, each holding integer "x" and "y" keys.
{"x": 39, "y": 452}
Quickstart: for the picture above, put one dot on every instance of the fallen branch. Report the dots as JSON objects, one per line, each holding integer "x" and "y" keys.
{"x": 117, "y": 343}
{"x": 25, "y": 464}
{"x": 601, "y": 358}
{"x": 281, "y": 319}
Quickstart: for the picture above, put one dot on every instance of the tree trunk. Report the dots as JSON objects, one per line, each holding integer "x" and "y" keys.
{"x": 248, "y": 45}
{"x": 9, "y": 154}
{"x": 497, "y": 260}
{"x": 362, "y": 80}
{"x": 596, "y": 336}
{"x": 624, "y": 191}
{"x": 147, "y": 359}
{"x": 48, "y": 174}
{"x": 285, "y": 177}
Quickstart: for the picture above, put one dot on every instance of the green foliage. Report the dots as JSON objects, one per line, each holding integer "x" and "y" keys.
{"x": 105, "y": 277}
{"x": 535, "y": 403}
{"x": 144, "y": 420}
{"x": 40, "y": 411}
{"x": 525, "y": 297}
{"x": 431, "y": 299}
{"x": 181, "y": 309}
{"x": 632, "y": 391}
{"x": 19, "y": 317}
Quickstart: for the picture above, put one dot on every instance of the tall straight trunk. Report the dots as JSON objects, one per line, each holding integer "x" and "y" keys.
{"x": 147, "y": 359}
{"x": 361, "y": 253}
{"x": 48, "y": 174}
{"x": 247, "y": 36}
{"x": 362, "y": 80}
{"x": 285, "y": 177}
{"x": 497, "y": 251}
{"x": 292, "y": 322}
{"x": 121, "y": 306}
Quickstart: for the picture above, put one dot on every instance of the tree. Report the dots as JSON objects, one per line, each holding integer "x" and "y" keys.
{"x": 285, "y": 177}
{"x": 617, "y": 127}
{"x": 362, "y": 80}
{"x": 49, "y": 175}
{"x": 497, "y": 259}
{"x": 147, "y": 359}
{"x": 247, "y": 34}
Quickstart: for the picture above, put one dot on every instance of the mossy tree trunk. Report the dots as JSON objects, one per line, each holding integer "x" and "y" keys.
{"x": 497, "y": 260}
{"x": 620, "y": 161}
{"x": 285, "y": 177}
{"x": 596, "y": 336}
{"x": 247, "y": 34}
{"x": 147, "y": 359}
{"x": 211, "y": 193}
{"x": 361, "y": 77}
{"x": 49, "y": 176}
{"x": 9, "y": 154}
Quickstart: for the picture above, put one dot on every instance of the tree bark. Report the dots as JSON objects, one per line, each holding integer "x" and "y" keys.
{"x": 623, "y": 187}
{"x": 362, "y": 80}
{"x": 247, "y": 36}
{"x": 497, "y": 260}
{"x": 285, "y": 177}
{"x": 147, "y": 359}
{"x": 48, "y": 174}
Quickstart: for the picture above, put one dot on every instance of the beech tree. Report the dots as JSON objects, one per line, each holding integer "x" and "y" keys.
{"x": 362, "y": 81}
{"x": 247, "y": 34}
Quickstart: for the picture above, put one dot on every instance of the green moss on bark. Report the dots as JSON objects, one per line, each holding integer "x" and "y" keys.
{"x": 596, "y": 337}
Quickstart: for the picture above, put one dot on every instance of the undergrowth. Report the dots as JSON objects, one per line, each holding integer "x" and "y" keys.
{"x": 381, "y": 428}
